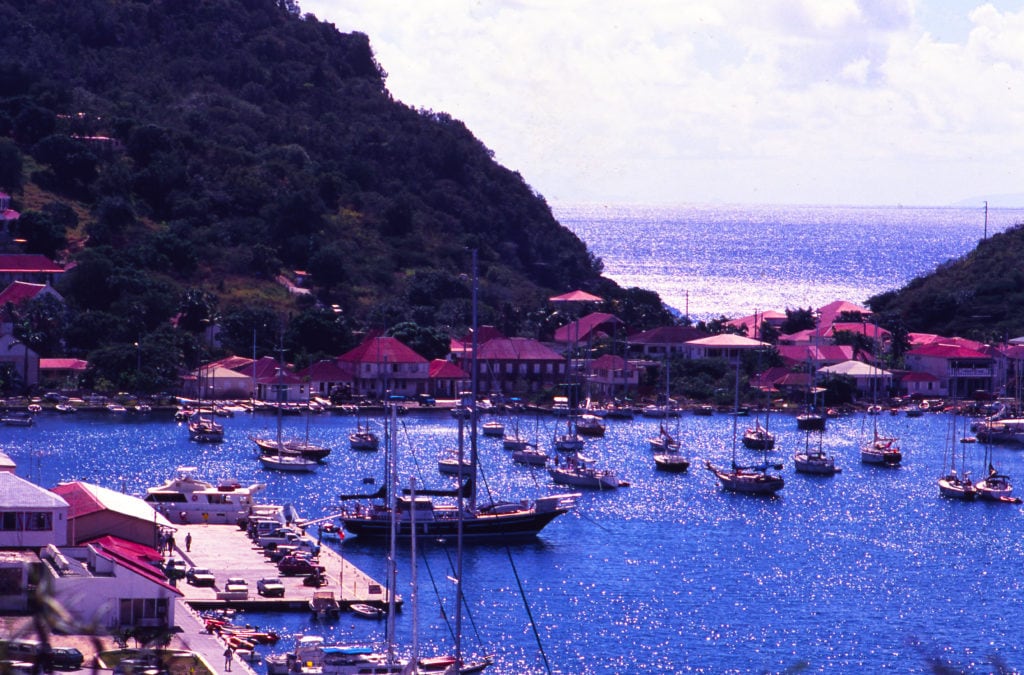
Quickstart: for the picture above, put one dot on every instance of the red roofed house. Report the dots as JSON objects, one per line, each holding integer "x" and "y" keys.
{"x": 658, "y": 343}
{"x": 612, "y": 376}
{"x": 588, "y": 329}
{"x": 464, "y": 347}
{"x": 278, "y": 383}
{"x": 327, "y": 377}
{"x": 385, "y": 364}
{"x": 817, "y": 356}
{"x": 31, "y": 267}
{"x": 445, "y": 377}
{"x": 920, "y": 385}
{"x": 97, "y": 511}
{"x": 63, "y": 374}
{"x": 959, "y": 370}
{"x": 111, "y": 583}
{"x": 830, "y": 313}
{"x": 512, "y": 365}
{"x": 752, "y": 324}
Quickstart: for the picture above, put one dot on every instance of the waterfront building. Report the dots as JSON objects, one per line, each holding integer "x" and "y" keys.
{"x": 385, "y": 364}
{"x": 960, "y": 371}
{"x": 112, "y": 583}
{"x": 95, "y": 511}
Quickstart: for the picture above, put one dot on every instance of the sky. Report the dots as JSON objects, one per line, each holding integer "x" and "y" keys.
{"x": 856, "y": 102}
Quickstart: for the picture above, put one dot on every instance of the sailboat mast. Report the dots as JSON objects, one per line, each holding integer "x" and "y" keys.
{"x": 389, "y": 443}
{"x": 473, "y": 458}
{"x": 413, "y": 582}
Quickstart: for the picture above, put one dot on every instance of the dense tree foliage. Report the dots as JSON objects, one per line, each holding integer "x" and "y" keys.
{"x": 977, "y": 296}
{"x": 183, "y": 175}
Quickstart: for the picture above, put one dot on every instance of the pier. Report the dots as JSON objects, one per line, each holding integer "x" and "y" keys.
{"x": 227, "y": 551}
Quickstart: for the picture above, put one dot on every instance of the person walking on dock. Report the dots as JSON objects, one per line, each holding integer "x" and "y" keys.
{"x": 188, "y": 542}
{"x": 228, "y": 653}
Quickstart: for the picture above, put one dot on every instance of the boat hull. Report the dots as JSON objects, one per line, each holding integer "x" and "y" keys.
{"x": 477, "y": 527}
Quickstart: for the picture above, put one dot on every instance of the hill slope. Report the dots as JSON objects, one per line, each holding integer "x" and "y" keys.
{"x": 978, "y": 296}
{"x": 207, "y": 145}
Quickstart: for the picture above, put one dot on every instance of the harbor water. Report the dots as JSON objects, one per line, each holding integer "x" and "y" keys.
{"x": 870, "y": 570}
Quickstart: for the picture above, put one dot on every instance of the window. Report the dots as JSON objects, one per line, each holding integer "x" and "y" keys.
{"x": 39, "y": 521}
{"x": 10, "y": 521}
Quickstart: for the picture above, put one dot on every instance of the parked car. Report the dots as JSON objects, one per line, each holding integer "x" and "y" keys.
{"x": 270, "y": 587}
{"x": 236, "y": 585}
{"x": 175, "y": 568}
{"x": 292, "y": 565}
{"x": 426, "y": 400}
{"x": 66, "y": 658}
{"x": 200, "y": 576}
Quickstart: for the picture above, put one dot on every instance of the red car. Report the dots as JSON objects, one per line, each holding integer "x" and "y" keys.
{"x": 292, "y": 565}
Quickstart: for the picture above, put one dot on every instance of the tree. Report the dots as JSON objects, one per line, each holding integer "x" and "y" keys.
{"x": 10, "y": 165}
{"x": 430, "y": 343}
{"x": 197, "y": 310}
{"x": 798, "y": 320}
{"x": 45, "y": 231}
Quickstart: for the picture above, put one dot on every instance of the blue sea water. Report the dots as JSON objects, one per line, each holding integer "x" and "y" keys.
{"x": 867, "y": 571}
{"x": 732, "y": 260}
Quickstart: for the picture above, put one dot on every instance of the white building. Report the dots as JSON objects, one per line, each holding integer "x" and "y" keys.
{"x": 30, "y": 516}
{"x": 111, "y": 584}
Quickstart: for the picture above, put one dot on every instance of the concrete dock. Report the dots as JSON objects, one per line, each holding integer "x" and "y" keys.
{"x": 227, "y": 551}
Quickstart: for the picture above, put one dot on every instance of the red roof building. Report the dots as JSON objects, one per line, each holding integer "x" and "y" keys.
{"x": 664, "y": 341}
{"x": 31, "y": 267}
{"x": 611, "y": 376}
{"x": 445, "y": 378}
{"x": 385, "y": 365}
{"x": 515, "y": 365}
{"x": 960, "y": 371}
{"x": 97, "y": 511}
{"x": 589, "y": 329}
{"x": 817, "y": 356}
{"x": 328, "y": 377}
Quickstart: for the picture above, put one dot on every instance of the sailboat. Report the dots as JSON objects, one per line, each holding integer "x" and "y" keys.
{"x": 499, "y": 521}
{"x": 880, "y": 450}
{"x": 202, "y": 428}
{"x": 813, "y": 460}
{"x": 758, "y": 437}
{"x": 278, "y": 446}
{"x": 751, "y": 480}
{"x": 278, "y": 459}
{"x": 570, "y": 440}
{"x": 954, "y": 484}
{"x": 363, "y": 438}
{"x": 579, "y": 471}
{"x": 664, "y": 441}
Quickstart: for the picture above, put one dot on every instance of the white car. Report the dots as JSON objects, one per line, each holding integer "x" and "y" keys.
{"x": 236, "y": 585}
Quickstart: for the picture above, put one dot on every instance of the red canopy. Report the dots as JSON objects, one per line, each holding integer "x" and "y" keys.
{"x": 575, "y": 296}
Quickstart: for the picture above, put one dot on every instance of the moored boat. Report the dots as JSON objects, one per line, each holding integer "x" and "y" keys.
{"x": 185, "y": 499}
{"x": 579, "y": 471}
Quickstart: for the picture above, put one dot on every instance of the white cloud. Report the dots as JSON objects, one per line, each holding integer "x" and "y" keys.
{"x": 776, "y": 100}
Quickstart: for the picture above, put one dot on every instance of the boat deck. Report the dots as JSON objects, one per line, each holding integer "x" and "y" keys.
{"x": 227, "y": 551}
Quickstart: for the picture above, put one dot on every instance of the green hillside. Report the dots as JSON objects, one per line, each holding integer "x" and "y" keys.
{"x": 978, "y": 296}
{"x": 185, "y": 154}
